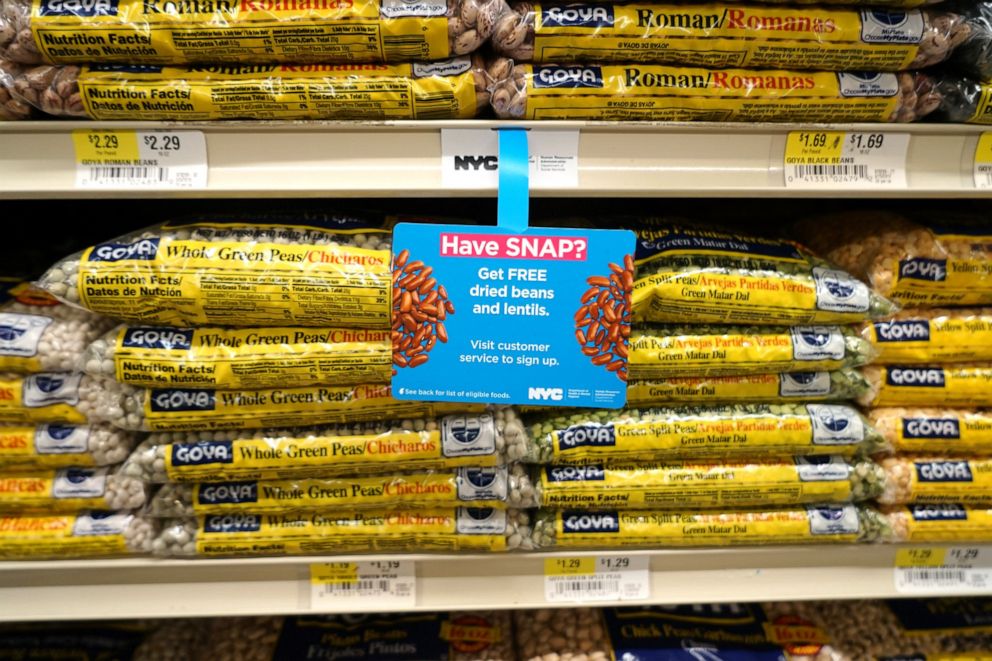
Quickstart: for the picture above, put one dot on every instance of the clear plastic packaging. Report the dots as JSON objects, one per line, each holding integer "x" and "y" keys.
{"x": 661, "y": 351}
{"x": 85, "y": 535}
{"x": 29, "y": 449}
{"x": 689, "y": 485}
{"x": 449, "y": 89}
{"x": 70, "y": 490}
{"x": 929, "y": 479}
{"x": 932, "y": 335}
{"x": 633, "y": 91}
{"x": 12, "y": 107}
{"x": 498, "y": 487}
{"x": 376, "y": 448}
{"x": 131, "y": 32}
{"x": 840, "y": 385}
{"x": 967, "y": 385}
{"x": 230, "y": 358}
{"x": 49, "y": 397}
{"x": 691, "y": 273}
{"x": 699, "y": 433}
{"x": 939, "y": 431}
{"x": 731, "y": 34}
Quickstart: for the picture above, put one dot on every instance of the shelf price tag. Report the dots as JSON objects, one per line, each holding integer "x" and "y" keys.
{"x": 141, "y": 160}
{"x": 845, "y": 159}
{"x": 358, "y": 585}
{"x": 983, "y": 161}
{"x": 942, "y": 571}
{"x": 602, "y": 578}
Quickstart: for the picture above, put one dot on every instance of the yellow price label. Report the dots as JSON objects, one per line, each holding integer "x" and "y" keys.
{"x": 814, "y": 147}
{"x": 326, "y": 573}
{"x": 105, "y": 147}
{"x": 569, "y": 566}
{"x": 926, "y": 556}
{"x": 983, "y": 153}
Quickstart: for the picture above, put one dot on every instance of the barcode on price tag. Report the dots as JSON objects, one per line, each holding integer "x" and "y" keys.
{"x": 983, "y": 161}
{"x": 372, "y": 584}
{"x": 146, "y": 160}
{"x": 844, "y": 159}
{"x": 604, "y": 578}
{"x": 943, "y": 571}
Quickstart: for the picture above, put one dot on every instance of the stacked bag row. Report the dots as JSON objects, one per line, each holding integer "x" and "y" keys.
{"x": 582, "y": 61}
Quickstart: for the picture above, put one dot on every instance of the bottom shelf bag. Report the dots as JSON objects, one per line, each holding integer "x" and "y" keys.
{"x": 938, "y": 522}
{"x": 85, "y": 535}
{"x": 572, "y": 529}
{"x": 456, "y": 636}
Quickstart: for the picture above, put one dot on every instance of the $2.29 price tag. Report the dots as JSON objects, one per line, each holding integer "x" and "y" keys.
{"x": 144, "y": 160}
{"x": 355, "y": 585}
{"x": 940, "y": 571}
{"x": 602, "y": 578}
{"x": 844, "y": 159}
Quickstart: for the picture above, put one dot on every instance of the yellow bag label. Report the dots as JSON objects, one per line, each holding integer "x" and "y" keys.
{"x": 950, "y": 481}
{"x": 694, "y": 485}
{"x": 422, "y": 530}
{"x": 962, "y": 337}
{"x": 941, "y": 432}
{"x": 264, "y": 31}
{"x": 51, "y": 446}
{"x": 174, "y": 409}
{"x": 721, "y": 36}
{"x": 251, "y": 358}
{"x": 964, "y": 385}
{"x": 922, "y": 281}
{"x": 278, "y": 458}
{"x": 798, "y": 349}
{"x": 627, "y": 529}
{"x": 67, "y": 490}
{"x": 438, "y": 90}
{"x": 443, "y": 489}
{"x": 983, "y": 109}
{"x": 37, "y": 537}
{"x": 41, "y": 398}
{"x": 753, "y": 388}
{"x": 826, "y": 429}
{"x": 641, "y": 91}
{"x": 945, "y": 523}
{"x": 166, "y": 281}
{"x": 21, "y": 333}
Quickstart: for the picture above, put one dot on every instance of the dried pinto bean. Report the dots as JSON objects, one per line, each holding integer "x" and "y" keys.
{"x": 420, "y": 306}
{"x": 602, "y": 322}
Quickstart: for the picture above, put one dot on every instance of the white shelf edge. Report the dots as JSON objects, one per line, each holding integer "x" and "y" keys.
{"x": 389, "y": 159}
{"x": 140, "y": 587}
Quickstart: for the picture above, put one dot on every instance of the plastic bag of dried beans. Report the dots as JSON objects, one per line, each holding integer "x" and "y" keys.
{"x": 957, "y": 384}
{"x": 940, "y": 431}
{"x": 840, "y": 385}
{"x": 932, "y": 335}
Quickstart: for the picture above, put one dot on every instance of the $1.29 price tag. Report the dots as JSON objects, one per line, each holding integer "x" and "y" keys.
{"x": 939, "y": 570}
{"x": 145, "y": 160}
{"x": 832, "y": 159}
{"x": 603, "y": 578}
{"x": 358, "y": 585}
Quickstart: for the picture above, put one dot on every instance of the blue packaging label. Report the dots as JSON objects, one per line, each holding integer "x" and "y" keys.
{"x": 170, "y": 400}
{"x": 912, "y": 330}
{"x": 590, "y": 522}
{"x": 87, "y": 8}
{"x": 166, "y": 339}
{"x": 490, "y": 315}
{"x": 943, "y": 471}
{"x": 143, "y": 249}
{"x": 945, "y": 512}
{"x": 202, "y": 452}
{"x": 232, "y": 523}
{"x": 575, "y": 473}
{"x": 915, "y": 377}
{"x": 945, "y": 428}
{"x": 578, "y": 15}
{"x": 227, "y": 493}
{"x": 555, "y": 76}
{"x": 922, "y": 268}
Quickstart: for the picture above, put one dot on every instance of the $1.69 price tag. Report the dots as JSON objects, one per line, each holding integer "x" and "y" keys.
{"x": 939, "y": 570}
{"x": 144, "y": 160}
{"x": 603, "y": 578}
{"x": 357, "y": 585}
{"x": 843, "y": 159}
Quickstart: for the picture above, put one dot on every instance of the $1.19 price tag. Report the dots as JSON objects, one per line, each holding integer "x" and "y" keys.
{"x": 603, "y": 578}
{"x": 832, "y": 159}
{"x": 145, "y": 160}
{"x": 983, "y": 161}
{"x": 358, "y": 585}
{"x": 938, "y": 570}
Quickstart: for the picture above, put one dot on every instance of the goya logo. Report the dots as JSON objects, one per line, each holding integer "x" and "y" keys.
{"x": 943, "y": 471}
{"x": 202, "y": 452}
{"x": 145, "y": 249}
{"x": 226, "y": 523}
{"x": 921, "y": 268}
{"x": 78, "y": 8}
{"x": 930, "y": 428}
{"x": 568, "y": 77}
{"x": 585, "y": 436}
{"x": 923, "y": 377}
{"x": 903, "y": 331}
{"x": 939, "y": 513}
{"x": 168, "y": 401}
{"x": 590, "y": 522}
{"x": 578, "y": 16}
{"x": 158, "y": 338}
{"x": 575, "y": 473}
{"x": 228, "y": 493}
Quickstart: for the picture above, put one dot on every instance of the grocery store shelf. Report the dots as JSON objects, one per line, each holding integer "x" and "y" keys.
{"x": 368, "y": 159}
{"x": 134, "y": 588}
